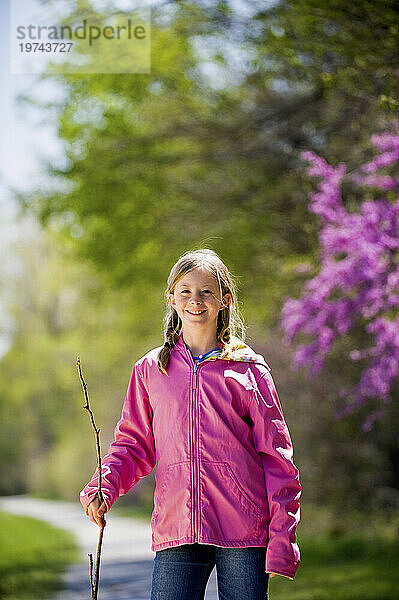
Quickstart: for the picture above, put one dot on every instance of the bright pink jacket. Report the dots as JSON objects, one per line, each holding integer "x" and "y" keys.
{"x": 225, "y": 473}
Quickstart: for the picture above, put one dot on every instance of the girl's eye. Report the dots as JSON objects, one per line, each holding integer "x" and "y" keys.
{"x": 203, "y": 292}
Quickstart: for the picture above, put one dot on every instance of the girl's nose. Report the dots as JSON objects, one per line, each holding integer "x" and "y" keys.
{"x": 196, "y": 298}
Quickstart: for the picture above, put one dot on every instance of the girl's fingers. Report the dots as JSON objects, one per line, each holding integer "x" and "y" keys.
{"x": 96, "y": 512}
{"x": 103, "y": 509}
{"x": 98, "y": 520}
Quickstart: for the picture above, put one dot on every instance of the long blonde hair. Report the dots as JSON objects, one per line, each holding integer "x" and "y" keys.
{"x": 229, "y": 321}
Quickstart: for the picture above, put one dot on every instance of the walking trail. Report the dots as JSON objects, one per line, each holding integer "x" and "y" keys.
{"x": 127, "y": 558}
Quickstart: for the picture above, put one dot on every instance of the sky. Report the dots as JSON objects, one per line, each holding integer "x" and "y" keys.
{"x": 25, "y": 140}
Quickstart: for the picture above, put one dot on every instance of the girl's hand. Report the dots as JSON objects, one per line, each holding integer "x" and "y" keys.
{"x": 96, "y": 512}
{"x": 272, "y": 574}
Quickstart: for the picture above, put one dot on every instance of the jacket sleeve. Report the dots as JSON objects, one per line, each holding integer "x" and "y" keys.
{"x": 131, "y": 455}
{"x": 273, "y": 442}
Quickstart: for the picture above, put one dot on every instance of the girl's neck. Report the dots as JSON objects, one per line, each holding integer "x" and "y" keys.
{"x": 199, "y": 345}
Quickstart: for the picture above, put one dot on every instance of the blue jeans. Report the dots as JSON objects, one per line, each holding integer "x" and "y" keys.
{"x": 182, "y": 572}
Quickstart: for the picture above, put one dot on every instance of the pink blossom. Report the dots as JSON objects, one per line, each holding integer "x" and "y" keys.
{"x": 358, "y": 281}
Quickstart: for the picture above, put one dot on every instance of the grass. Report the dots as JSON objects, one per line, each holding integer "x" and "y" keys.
{"x": 350, "y": 557}
{"x": 348, "y": 567}
{"x": 33, "y": 556}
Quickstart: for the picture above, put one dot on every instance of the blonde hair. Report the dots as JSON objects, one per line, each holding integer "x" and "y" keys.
{"x": 229, "y": 321}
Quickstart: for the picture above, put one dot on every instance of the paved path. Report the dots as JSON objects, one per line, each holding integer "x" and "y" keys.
{"x": 127, "y": 558}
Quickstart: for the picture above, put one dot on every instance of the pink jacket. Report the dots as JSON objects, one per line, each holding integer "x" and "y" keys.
{"x": 225, "y": 473}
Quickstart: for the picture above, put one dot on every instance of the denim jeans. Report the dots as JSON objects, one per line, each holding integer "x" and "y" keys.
{"x": 182, "y": 572}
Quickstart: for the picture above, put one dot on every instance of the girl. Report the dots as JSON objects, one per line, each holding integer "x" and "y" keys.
{"x": 204, "y": 409}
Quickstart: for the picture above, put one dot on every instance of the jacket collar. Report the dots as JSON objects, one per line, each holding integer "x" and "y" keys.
{"x": 235, "y": 350}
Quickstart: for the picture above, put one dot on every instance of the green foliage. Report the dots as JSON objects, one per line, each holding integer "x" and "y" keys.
{"x": 33, "y": 556}
{"x": 59, "y": 311}
{"x": 179, "y": 159}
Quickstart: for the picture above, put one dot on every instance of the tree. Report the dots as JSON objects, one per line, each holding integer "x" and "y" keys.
{"x": 182, "y": 158}
{"x": 357, "y": 285}
{"x": 57, "y": 309}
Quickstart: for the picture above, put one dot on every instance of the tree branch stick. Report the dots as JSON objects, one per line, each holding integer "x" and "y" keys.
{"x": 94, "y": 584}
{"x": 91, "y": 573}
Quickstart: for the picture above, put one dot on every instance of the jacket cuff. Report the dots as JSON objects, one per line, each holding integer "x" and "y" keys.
{"x": 87, "y": 497}
{"x": 280, "y": 566}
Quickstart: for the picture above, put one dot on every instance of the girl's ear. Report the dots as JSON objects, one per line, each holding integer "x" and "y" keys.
{"x": 172, "y": 300}
{"x": 226, "y": 300}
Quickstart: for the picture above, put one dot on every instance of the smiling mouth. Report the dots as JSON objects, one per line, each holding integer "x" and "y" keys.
{"x": 199, "y": 312}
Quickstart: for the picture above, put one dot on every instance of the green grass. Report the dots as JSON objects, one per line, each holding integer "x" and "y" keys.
{"x": 33, "y": 556}
{"x": 348, "y": 567}
{"x": 350, "y": 556}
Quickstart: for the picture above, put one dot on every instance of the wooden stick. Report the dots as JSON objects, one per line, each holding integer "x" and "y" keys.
{"x": 94, "y": 584}
{"x": 91, "y": 573}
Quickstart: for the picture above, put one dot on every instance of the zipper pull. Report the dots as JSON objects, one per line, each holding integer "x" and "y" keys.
{"x": 195, "y": 377}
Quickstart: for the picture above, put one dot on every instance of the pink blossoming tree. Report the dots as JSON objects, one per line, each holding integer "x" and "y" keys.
{"x": 358, "y": 280}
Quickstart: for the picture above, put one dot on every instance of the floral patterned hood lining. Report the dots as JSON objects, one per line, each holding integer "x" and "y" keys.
{"x": 236, "y": 349}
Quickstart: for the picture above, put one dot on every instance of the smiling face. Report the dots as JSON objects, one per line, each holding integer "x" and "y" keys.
{"x": 196, "y": 299}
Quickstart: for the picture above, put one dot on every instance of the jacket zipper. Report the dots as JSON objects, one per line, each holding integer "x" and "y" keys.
{"x": 195, "y": 436}
{"x": 195, "y": 463}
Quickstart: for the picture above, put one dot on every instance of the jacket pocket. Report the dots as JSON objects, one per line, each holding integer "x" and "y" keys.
{"x": 172, "y": 502}
{"x": 228, "y": 513}
{"x": 240, "y": 489}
